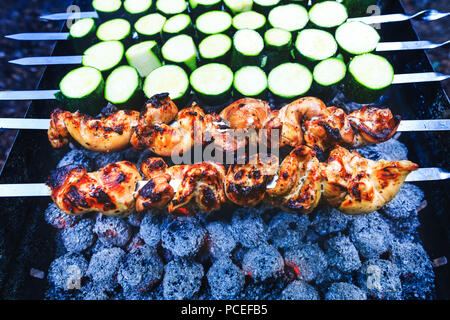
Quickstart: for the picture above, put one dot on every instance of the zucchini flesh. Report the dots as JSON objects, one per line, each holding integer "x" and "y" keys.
{"x": 213, "y": 22}
{"x": 276, "y": 38}
{"x": 144, "y": 57}
{"x": 215, "y": 47}
{"x": 201, "y": 6}
{"x": 357, "y": 38}
{"x": 250, "y": 81}
{"x": 104, "y": 56}
{"x": 137, "y": 6}
{"x": 368, "y": 76}
{"x": 149, "y": 27}
{"x": 247, "y": 47}
{"x": 249, "y": 20}
{"x": 289, "y": 80}
{"x": 181, "y": 50}
{"x": 116, "y": 29}
{"x": 290, "y": 17}
{"x": 82, "y": 89}
{"x": 315, "y": 45}
{"x": 107, "y": 9}
{"x": 212, "y": 82}
{"x": 82, "y": 28}
{"x": 168, "y": 78}
{"x": 236, "y": 6}
{"x": 179, "y": 23}
{"x": 329, "y": 72}
{"x": 328, "y": 14}
{"x": 171, "y": 7}
{"x": 264, "y": 6}
{"x": 123, "y": 87}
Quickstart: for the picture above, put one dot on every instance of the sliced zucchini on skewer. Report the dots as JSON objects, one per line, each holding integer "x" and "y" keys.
{"x": 290, "y": 17}
{"x": 108, "y": 9}
{"x": 171, "y": 79}
{"x": 250, "y": 81}
{"x": 278, "y": 43}
{"x": 328, "y": 14}
{"x": 212, "y": 82}
{"x": 327, "y": 75}
{"x": 357, "y": 38}
{"x": 215, "y": 48}
{"x": 170, "y": 8}
{"x": 104, "y": 56}
{"x": 144, "y": 56}
{"x": 247, "y": 47}
{"x": 213, "y": 22}
{"x": 123, "y": 88}
{"x": 180, "y": 23}
{"x": 82, "y": 89}
{"x": 150, "y": 27}
{"x": 368, "y": 75}
{"x": 264, "y": 6}
{"x": 181, "y": 50}
{"x": 134, "y": 9}
{"x": 82, "y": 34}
{"x": 201, "y": 6}
{"x": 289, "y": 80}
{"x": 116, "y": 29}
{"x": 249, "y": 20}
{"x": 313, "y": 45}
{"x": 236, "y": 6}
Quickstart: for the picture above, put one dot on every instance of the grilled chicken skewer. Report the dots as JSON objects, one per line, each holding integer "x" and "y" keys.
{"x": 351, "y": 183}
{"x": 164, "y": 130}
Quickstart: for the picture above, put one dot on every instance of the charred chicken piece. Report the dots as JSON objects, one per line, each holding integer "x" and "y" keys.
{"x": 246, "y": 113}
{"x": 109, "y": 190}
{"x": 299, "y": 184}
{"x": 107, "y": 133}
{"x": 355, "y": 185}
{"x": 245, "y": 184}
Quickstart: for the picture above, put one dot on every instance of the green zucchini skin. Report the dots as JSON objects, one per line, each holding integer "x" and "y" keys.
{"x": 107, "y": 72}
{"x": 91, "y": 105}
{"x": 356, "y": 92}
{"x": 213, "y": 99}
{"x": 202, "y": 34}
{"x": 157, "y": 36}
{"x": 264, "y": 9}
{"x": 261, "y": 29}
{"x": 276, "y": 55}
{"x": 135, "y": 101}
{"x": 239, "y": 59}
{"x": 127, "y": 40}
{"x": 188, "y": 29}
{"x": 358, "y": 8}
{"x": 197, "y": 9}
{"x": 311, "y": 62}
{"x": 237, "y": 94}
{"x": 81, "y": 44}
{"x": 105, "y": 16}
{"x": 224, "y": 59}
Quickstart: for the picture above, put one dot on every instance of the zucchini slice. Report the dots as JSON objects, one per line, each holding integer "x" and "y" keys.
{"x": 236, "y": 6}
{"x": 356, "y": 38}
{"x": 168, "y": 78}
{"x": 181, "y": 50}
{"x": 82, "y": 34}
{"x": 150, "y": 27}
{"x": 116, "y": 29}
{"x": 201, "y": 6}
{"x": 134, "y": 9}
{"x": 249, "y": 20}
{"x": 290, "y": 17}
{"x": 278, "y": 43}
{"x": 144, "y": 56}
{"x": 247, "y": 47}
{"x": 368, "y": 76}
{"x": 328, "y": 14}
{"x": 327, "y": 75}
{"x": 82, "y": 89}
{"x": 289, "y": 80}
{"x": 215, "y": 48}
{"x": 180, "y": 23}
{"x": 104, "y": 56}
{"x": 107, "y": 9}
{"x": 314, "y": 45}
{"x": 212, "y": 82}
{"x": 170, "y": 8}
{"x": 264, "y": 6}
{"x": 213, "y": 22}
{"x": 123, "y": 88}
{"x": 250, "y": 81}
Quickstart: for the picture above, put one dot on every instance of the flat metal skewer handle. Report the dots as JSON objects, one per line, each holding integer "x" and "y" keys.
{"x": 425, "y": 15}
{"x": 69, "y": 15}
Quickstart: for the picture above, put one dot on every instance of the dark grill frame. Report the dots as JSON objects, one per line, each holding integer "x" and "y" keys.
{"x": 26, "y": 241}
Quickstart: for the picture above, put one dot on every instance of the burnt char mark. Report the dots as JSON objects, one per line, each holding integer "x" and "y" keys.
{"x": 102, "y": 198}
{"x": 147, "y": 192}
{"x": 238, "y": 175}
{"x": 74, "y": 198}
{"x": 158, "y": 100}
{"x": 332, "y": 132}
{"x": 58, "y": 177}
{"x": 209, "y": 199}
{"x": 157, "y": 165}
{"x": 381, "y": 135}
{"x": 241, "y": 191}
{"x": 121, "y": 177}
{"x": 107, "y": 111}
{"x": 159, "y": 129}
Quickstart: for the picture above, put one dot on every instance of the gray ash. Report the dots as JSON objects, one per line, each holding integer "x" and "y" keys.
{"x": 150, "y": 229}
{"x": 79, "y": 237}
{"x": 342, "y": 254}
{"x": 328, "y": 220}
{"x": 405, "y": 202}
{"x": 58, "y": 218}
{"x": 307, "y": 261}
{"x": 299, "y": 290}
{"x": 66, "y": 272}
{"x": 183, "y": 236}
{"x": 263, "y": 262}
{"x": 220, "y": 239}
{"x": 103, "y": 159}
{"x": 225, "y": 279}
{"x": 391, "y": 150}
{"x": 248, "y": 227}
{"x": 345, "y": 291}
{"x": 104, "y": 265}
{"x": 135, "y": 219}
{"x": 77, "y": 157}
{"x": 182, "y": 279}
{"x": 113, "y": 231}
{"x": 380, "y": 279}
{"x": 287, "y": 230}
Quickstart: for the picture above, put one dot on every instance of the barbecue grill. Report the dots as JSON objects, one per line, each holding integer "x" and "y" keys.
{"x": 27, "y": 242}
